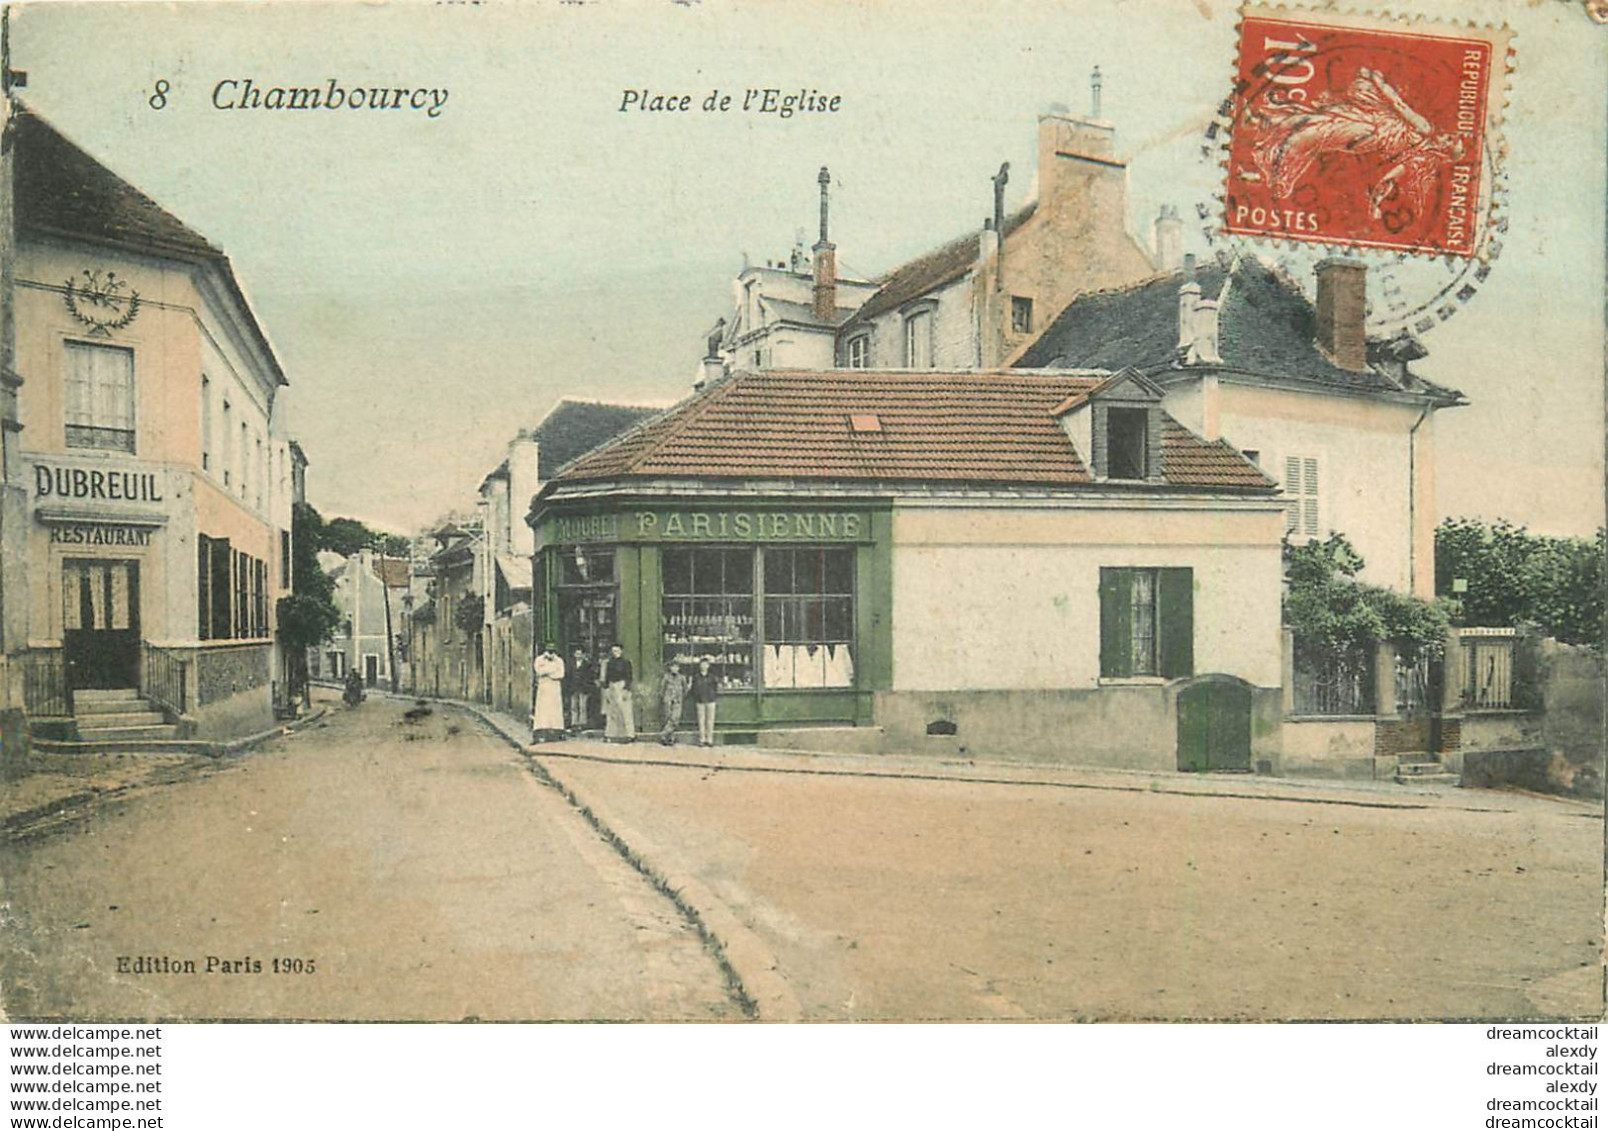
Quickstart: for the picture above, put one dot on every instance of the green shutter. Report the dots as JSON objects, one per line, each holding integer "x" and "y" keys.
{"x": 1176, "y": 622}
{"x": 1116, "y": 652}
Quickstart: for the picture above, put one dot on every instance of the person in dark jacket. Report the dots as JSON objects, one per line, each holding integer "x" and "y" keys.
{"x": 582, "y": 682}
{"x": 705, "y": 694}
{"x": 619, "y": 713}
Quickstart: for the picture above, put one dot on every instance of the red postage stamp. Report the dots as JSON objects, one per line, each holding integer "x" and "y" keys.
{"x": 1354, "y": 131}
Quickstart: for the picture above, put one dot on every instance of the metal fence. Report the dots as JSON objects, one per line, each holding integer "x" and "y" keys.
{"x": 166, "y": 683}
{"x": 44, "y": 683}
{"x": 1414, "y": 682}
{"x": 1333, "y": 683}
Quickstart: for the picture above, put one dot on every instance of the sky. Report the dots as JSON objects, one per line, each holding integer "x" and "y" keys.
{"x": 434, "y": 284}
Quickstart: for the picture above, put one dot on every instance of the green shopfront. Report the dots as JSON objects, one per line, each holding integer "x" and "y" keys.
{"x": 790, "y": 600}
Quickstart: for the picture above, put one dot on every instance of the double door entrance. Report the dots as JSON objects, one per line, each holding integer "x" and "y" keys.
{"x": 101, "y": 623}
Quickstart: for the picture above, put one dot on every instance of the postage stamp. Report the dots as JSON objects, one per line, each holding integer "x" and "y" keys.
{"x": 1358, "y": 132}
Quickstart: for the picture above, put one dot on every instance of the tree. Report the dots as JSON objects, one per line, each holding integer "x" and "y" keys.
{"x": 308, "y": 616}
{"x": 1513, "y": 577}
{"x": 1329, "y": 609}
{"x": 346, "y": 536}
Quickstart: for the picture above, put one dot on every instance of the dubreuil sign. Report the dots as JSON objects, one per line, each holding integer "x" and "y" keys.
{"x": 86, "y": 483}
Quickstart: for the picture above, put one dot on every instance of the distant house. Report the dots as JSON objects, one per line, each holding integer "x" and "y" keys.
{"x": 473, "y": 635}
{"x": 1008, "y": 561}
{"x": 1343, "y": 423}
{"x": 972, "y": 303}
{"x": 370, "y": 592}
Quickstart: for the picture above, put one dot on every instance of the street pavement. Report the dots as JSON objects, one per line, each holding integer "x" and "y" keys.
{"x": 883, "y": 889}
{"x": 418, "y": 868}
{"x": 430, "y": 873}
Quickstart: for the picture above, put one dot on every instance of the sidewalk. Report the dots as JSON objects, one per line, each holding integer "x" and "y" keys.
{"x": 648, "y": 751}
{"x": 53, "y": 787}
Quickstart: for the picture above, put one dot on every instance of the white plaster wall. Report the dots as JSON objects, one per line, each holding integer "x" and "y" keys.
{"x": 1363, "y": 453}
{"x": 954, "y": 331}
{"x": 1028, "y": 617}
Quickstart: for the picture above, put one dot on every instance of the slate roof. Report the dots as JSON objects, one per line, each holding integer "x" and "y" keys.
{"x": 574, "y": 428}
{"x": 970, "y": 428}
{"x": 61, "y": 189}
{"x": 1266, "y": 328}
{"x": 933, "y": 269}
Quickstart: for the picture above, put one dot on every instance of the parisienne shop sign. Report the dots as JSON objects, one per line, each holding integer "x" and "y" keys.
{"x": 711, "y": 526}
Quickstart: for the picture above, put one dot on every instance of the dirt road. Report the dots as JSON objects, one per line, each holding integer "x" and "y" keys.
{"x": 396, "y": 870}
{"x": 912, "y": 899}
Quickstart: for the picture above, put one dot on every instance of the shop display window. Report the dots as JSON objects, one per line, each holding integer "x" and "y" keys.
{"x": 809, "y": 617}
{"x": 709, "y": 611}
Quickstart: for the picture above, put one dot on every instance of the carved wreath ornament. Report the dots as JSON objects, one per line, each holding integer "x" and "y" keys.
{"x": 99, "y": 302}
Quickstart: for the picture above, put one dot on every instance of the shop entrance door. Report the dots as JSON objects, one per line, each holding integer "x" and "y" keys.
{"x": 589, "y": 620}
{"x": 101, "y": 623}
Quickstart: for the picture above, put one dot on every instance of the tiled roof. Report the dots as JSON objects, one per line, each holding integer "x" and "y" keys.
{"x": 576, "y": 427}
{"x": 932, "y": 270}
{"x": 982, "y": 428}
{"x": 1266, "y": 328}
{"x": 397, "y": 573}
{"x": 62, "y": 189}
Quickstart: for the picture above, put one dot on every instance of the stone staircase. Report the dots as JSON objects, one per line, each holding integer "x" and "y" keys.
{"x": 1415, "y": 769}
{"x": 119, "y": 715}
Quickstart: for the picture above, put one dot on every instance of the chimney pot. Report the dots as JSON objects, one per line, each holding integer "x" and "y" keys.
{"x": 1342, "y": 310}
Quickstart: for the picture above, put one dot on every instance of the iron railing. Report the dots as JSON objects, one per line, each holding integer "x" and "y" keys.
{"x": 1334, "y": 683}
{"x": 166, "y": 679}
{"x": 1414, "y": 681}
{"x": 44, "y": 682}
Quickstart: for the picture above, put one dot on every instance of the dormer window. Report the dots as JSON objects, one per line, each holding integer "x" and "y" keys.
{"x": 1128, "y": 443}
{"x": 1117, "y": 428}
{"x": 918, "y": 340}
{"x": 857, "y": 354}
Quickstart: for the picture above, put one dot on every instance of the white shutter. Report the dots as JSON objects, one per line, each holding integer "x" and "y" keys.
{"x": 1292, "y": 493}
{"x": 1309, "y": 496}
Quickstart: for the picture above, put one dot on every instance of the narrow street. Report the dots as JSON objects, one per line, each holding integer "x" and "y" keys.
{"x": 401, "y": 870}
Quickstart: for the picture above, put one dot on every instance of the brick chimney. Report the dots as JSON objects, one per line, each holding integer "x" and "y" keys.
{"x": 1342, "y": 311}
{"x": 825, "y": 262}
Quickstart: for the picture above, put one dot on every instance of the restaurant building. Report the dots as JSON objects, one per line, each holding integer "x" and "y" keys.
{"x": 1016, "y": 564}
{"x": 153, "y": 454}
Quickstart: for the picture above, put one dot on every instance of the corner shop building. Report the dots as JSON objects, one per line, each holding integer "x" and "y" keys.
{"x": 1038, "y": 565}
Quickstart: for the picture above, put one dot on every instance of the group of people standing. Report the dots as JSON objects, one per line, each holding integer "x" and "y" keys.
{"x": 560, "y": 685}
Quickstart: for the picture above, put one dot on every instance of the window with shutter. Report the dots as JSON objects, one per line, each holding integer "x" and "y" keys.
{"x": 1147, "y": 622}
{"x": 1301, "y": 495}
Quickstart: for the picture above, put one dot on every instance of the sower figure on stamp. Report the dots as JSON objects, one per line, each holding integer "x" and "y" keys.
{"x": 619, "y": 714}
{"x": 672, "y": 697}
{"x": 547, "y": 721}
{"x": 580, "y": 683}
{"x": 705, "y": 694}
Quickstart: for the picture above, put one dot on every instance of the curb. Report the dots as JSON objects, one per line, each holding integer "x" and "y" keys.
{"x": 239, "y": 745}
{"x": 749, "y": 965}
